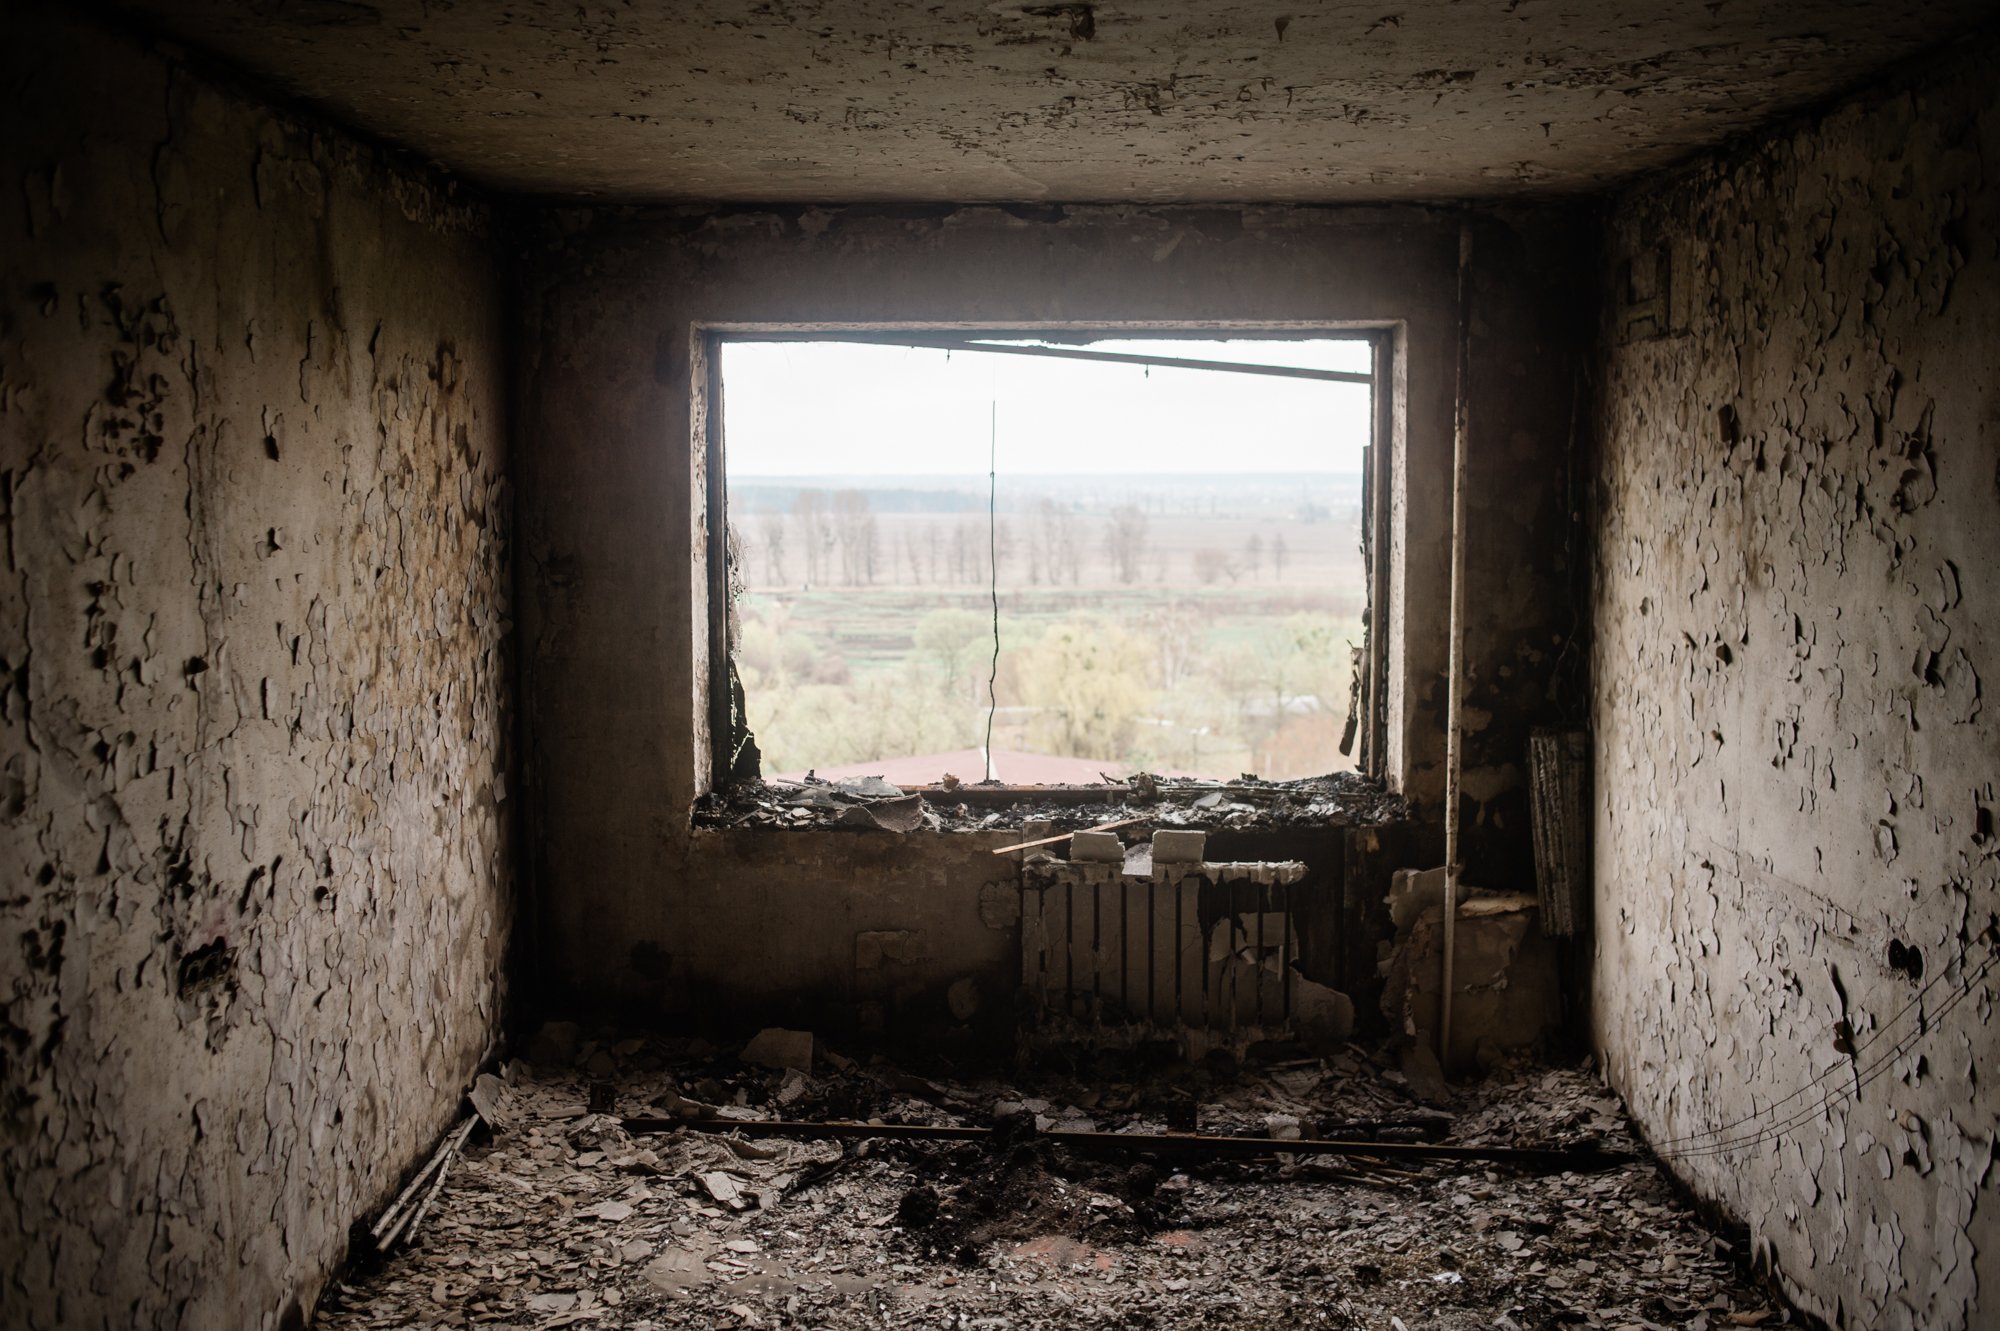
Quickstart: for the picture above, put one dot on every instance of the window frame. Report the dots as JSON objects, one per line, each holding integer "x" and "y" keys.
{"x": 1380, "y": 456}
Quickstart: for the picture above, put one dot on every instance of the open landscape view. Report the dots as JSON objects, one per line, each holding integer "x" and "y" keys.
{"x": 1176, "y": 555}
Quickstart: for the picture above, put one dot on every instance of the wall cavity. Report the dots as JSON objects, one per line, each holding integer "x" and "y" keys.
{"x": 1796, "y": 609}
{"x": 252, "y": 686}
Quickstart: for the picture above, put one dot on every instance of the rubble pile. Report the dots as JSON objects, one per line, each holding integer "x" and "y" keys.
{"x": 569, "y": 1208}
{"x": 1340, "y": 799}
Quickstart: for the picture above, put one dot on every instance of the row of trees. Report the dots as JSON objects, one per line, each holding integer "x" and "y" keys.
{"x": 838, "y": 539}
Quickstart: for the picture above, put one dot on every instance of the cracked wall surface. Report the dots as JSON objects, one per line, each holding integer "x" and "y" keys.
{"x": 252, "y": 685}
{"x": 614, "y": 647}
{"x": 1796, "y": 615}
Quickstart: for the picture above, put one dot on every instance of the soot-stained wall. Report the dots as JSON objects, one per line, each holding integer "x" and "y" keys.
{"x": 1796, "y": 607}
{"x": 634, "y": 908}
{"x": 253, "y": 709}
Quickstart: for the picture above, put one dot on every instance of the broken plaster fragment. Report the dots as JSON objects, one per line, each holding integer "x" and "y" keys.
{"x": 1179, "y": 846}
{"x": 1096, "y": 848}
{"x": 775, "y": 1047}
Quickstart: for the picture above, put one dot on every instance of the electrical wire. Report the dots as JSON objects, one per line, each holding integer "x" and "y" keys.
{"x": 993, "y": 570}
{"x": 1880, "y": 1032}
{"x": 1717, "y": 1141}
{"x": 1863, "y": 1077}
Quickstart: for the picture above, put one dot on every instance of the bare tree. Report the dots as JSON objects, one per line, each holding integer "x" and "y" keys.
{"x": 1253, "y": 554}
{"x": 772, "y": 525}
{"x": 961, "y": 552}
{"x": 815, "y": 529}
{"x": 854, "y": 527}
{"x": 1055, "y": 531}
{"x": 934, "y": 551}
{"x": 1125, "y": 541}
{"x": 873, "y": 555}
{"x": 1279, "y": 551}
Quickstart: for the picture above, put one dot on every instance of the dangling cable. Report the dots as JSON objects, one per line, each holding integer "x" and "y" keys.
{"x": 993, "y": 569}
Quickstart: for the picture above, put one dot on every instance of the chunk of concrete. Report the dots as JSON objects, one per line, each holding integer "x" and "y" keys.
{"x": 493, "y": 1102}
{"x": 1177, "y": 845}
{"x": 775, "y": 1047}
{"x": 1414, "y": 891}
{"x": 1096, "y": 848}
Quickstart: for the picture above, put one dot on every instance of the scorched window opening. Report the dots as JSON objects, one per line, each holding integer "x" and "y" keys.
{"x": 1172, "y": 523}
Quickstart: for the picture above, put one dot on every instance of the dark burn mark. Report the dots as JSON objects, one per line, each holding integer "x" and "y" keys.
{"x": 1082, "y": 19}
{"x": 209, "y": 967}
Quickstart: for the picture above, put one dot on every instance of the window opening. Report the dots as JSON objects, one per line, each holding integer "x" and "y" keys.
{"x": 1167, "y": 532}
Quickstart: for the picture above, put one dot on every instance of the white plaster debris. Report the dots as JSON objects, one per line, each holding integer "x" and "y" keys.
{"x": 883, "y": 1233}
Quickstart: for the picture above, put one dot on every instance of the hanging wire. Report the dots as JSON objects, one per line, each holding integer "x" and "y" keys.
{"x": 1717, "y": 1140}
{"x": 993, "y": 570}
{"x": 1834, "y": 1099}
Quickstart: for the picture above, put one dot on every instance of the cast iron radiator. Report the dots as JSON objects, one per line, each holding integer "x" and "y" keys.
{"x": 1183, "y": 946}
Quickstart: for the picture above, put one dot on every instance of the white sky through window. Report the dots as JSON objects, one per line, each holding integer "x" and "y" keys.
{"x": 806, "y": 409}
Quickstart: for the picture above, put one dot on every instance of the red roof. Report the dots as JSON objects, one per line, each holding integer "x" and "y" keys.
{"x": 969, "y": 765}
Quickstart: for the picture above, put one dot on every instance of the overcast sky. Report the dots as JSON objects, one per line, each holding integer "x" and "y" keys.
{"x": 819, "y": 408}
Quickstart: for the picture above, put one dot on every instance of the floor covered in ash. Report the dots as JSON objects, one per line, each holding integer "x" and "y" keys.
{"x": 555, "y": 1214}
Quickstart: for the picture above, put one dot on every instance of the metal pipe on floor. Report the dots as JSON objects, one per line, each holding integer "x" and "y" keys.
{"x": 1552, "y": 1158}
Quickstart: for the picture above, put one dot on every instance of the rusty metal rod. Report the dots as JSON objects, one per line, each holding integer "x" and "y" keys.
{"x": 1051, "y": 840}
{"x": 1576, "y": 1158}
{"x": 947, "y": 342}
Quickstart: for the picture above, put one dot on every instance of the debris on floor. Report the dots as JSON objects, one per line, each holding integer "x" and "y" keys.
{"x": 1341, "y": 798}
{"x": 564, "y": 1216}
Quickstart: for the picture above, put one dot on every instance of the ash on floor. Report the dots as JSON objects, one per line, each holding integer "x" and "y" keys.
{"x": 562, "y": 1217}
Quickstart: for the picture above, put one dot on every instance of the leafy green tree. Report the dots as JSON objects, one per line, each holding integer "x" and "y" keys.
{"x": 1089, "y": 683}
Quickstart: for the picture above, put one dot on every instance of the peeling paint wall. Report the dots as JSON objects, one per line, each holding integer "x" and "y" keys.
{"x": 614, "y": 609}
{"x": 1795, "y": 616}
{"x": 253, "y": 710}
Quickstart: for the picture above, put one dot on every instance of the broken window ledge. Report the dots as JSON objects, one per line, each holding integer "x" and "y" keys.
{"x": 1340, "y": 800}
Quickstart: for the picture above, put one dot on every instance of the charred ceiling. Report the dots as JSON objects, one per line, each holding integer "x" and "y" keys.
{"x": 1146, "y": 101}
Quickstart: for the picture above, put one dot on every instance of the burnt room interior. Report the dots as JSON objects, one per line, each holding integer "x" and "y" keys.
{"x": 403, "y": 929}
